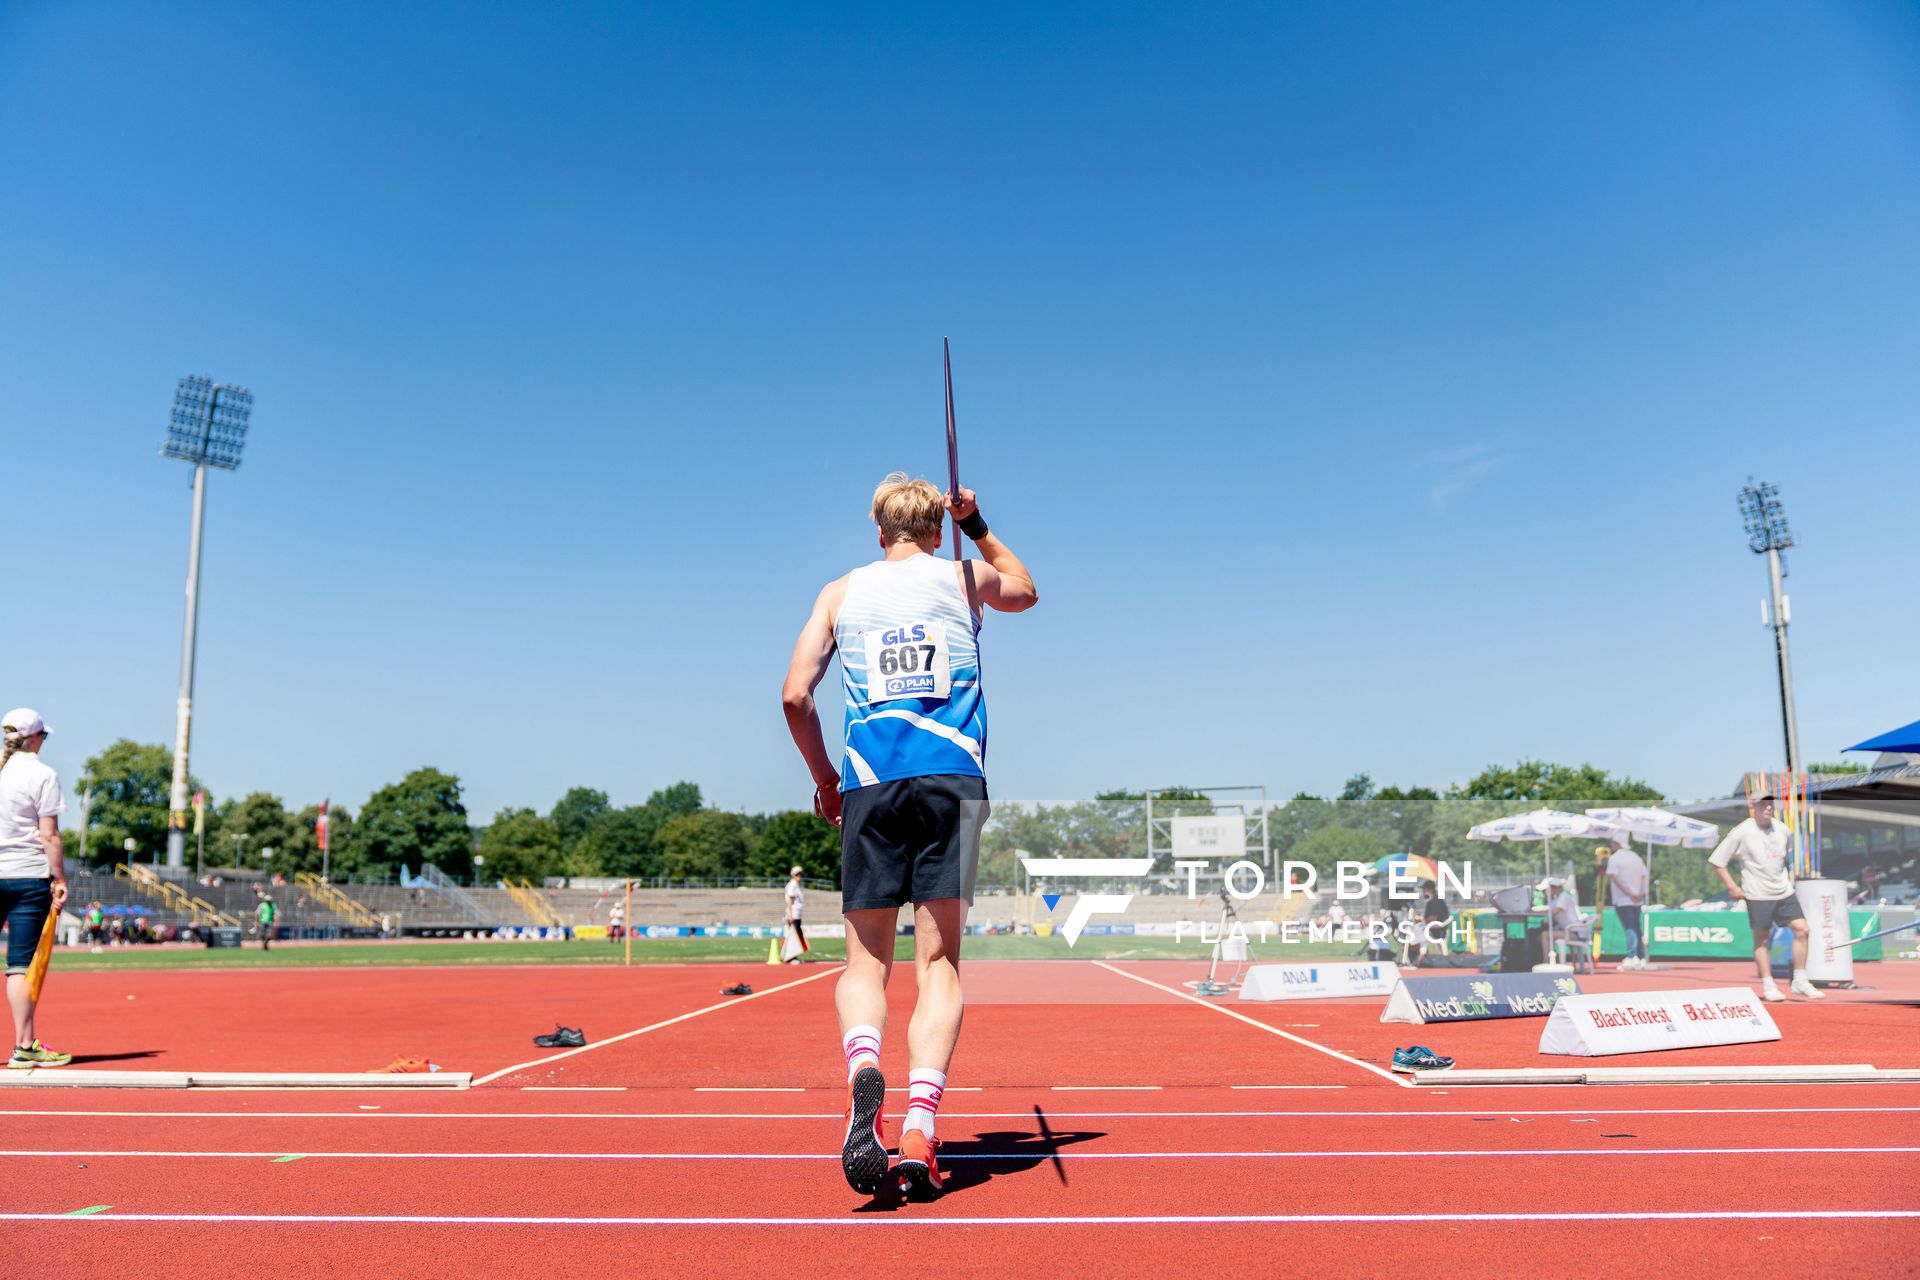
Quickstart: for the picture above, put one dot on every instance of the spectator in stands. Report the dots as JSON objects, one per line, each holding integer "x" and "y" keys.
{"x": 33, "y": 872}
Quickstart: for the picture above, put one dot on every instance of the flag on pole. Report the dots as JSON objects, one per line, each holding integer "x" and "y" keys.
{"x": 320, "y": 825}
{"x": 199, "y": 813}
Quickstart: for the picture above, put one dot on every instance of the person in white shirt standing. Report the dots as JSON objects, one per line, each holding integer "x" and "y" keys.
{"x": 1627, "y": 875}
{"x": 796, "y": 900}
{"x": 1760, "y": 844}
{"x": 33, "y": 873}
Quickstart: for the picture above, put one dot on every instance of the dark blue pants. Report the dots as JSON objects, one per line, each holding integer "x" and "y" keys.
{"x": 24, "y": 904}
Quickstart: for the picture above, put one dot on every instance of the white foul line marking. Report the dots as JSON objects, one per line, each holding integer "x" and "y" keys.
{"x": 1419, "y": 1153}
{"x": 874, "y": 1220}
{"x": 573, "y": 1088}
{"x": 734, "y": 1002}
{"x": 718, "y": 1088}
{"x": 1286, "y": 1086}
{"x": 1484, "y": 1113}
{"x": 1252, "y": 1022}
{"x": 1105, "y": 1088}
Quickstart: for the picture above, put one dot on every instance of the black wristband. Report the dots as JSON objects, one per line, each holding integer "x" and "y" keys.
{"x": 975, "y": 525}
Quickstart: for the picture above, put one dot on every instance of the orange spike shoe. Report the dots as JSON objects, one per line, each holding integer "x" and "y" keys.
{"x": 919, "y": 1168}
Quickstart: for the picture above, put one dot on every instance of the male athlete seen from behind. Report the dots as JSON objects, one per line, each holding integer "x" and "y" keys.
{"x": 911, "y": 796}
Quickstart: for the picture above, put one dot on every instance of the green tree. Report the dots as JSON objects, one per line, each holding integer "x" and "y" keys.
{"x": 1330, "y": 845}
{"x": 577, "y": 813}
{"x": 419, "y": 819}
{"x": 796, "y": 838}
{"x": 621, "y": 844}
{"x": 519, "y": 843}
{"x": 131, "y": 783}
{"x": 258, "y": 822}
{"x": 1534, "y": 784}
{"x": 701, "y": 845}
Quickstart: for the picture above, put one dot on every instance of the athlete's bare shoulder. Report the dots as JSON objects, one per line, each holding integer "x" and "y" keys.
{"x": 831, "y": 597}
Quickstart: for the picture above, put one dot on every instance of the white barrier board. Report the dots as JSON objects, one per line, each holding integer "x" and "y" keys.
{"x": 1314, "y": 981}
{"x": 1646, "y": 1021}
{"x": 1824, "y": 903}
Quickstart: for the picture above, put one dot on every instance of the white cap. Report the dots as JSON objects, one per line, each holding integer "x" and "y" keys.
{"x": 24, "y": 722}
{"x": 797, "y": 871}
{"x": 1620, "y": 838}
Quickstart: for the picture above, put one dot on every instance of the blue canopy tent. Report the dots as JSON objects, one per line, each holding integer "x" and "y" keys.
{"x": 1902, "y": 741}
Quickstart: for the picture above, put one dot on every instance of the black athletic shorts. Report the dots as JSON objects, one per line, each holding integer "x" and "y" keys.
{"x": 1766, "y": 913}
{"x": 910, "y": 840}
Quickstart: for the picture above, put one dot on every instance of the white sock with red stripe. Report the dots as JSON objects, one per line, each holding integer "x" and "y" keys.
{"x": 863, "y": 1048}
{"x": 924, "y": 1088}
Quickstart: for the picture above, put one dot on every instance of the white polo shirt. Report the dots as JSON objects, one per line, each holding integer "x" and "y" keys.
{"x": 795, "y": 898}
{"x": 1631, "y": 889}
{"x": 1763, "y": 859}
{"x": 29, "y": 791}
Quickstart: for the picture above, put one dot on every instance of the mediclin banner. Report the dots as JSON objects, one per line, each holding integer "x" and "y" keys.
{"x": 1478, "y": 997}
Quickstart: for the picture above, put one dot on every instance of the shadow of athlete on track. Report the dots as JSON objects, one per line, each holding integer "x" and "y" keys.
{"x": 79, "y": 1058}
{"x": 974, "y": 1162}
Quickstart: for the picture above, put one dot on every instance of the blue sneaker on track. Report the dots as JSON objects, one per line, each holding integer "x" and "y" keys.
{"x": 1419, "y": 1058}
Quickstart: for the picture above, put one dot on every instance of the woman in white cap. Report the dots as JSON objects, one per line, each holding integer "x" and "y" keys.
{"x": 795, "y": 899}
{"x": 33, "y": 874}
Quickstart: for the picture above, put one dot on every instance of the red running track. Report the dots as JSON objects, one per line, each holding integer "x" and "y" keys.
{"x": 1093, "y": 1124}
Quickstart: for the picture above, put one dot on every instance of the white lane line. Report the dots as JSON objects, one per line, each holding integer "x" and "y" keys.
{"x": 1269, "y": 1028}
{"x": 1287, "y": 1086}
{"x": 1483, "y": 1113}
{"x": 731, "y": 1003}
{"x": 573, "y": 1088}
{"x": 1105, "y": 1088}
{"x": 719, "y": 1088}
{"x": 875, "y": 1220}
{"x": 1420, "y": 1153}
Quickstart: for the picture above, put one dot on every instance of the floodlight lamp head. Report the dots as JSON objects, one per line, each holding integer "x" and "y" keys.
{"x": 208, "y": 424}
{"x": 1765, "y": 518}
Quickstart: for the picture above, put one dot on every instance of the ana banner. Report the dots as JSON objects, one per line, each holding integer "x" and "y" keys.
{"x": 1646, "y": 1021}
{"x": 1314, "y": 981}
{"x": 1473, "y": 998}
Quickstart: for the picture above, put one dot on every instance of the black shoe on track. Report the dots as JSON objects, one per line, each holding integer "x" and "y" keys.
{"x": 863, "y": 1153}
{"x": 562, "y": 1038}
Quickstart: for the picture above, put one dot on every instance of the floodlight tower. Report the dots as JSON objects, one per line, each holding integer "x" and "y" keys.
{"x": 1768, "y": 535}
{"x": 208, "y": 429}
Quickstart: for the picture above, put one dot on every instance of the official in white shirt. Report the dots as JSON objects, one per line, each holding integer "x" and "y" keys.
{"x": 796, "y": 900}
{"x": 1627, "y": 878}
{"x": 33, "y": 873}
{"x": 1765, "y": 886}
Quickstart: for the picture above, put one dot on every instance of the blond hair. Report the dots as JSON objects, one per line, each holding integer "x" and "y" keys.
{"x": 907, "y": 508}
{"x": 10, "y": 742}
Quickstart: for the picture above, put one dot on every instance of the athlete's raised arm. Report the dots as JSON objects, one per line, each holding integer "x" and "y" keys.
{"x": 811, "y": 654}
{"x": 1003, "y": 582}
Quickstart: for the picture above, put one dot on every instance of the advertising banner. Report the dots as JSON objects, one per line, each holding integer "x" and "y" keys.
{"x": 1825, "y": 905}
{"x": 1647, "y": 1021}
{"x": 1716, "y": 934}
{"x": 1474, "y": 997}
{"x": 1315, "y": 981}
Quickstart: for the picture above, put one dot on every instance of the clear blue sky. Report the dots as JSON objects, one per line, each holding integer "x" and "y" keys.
{"x": 1368, "y": 386}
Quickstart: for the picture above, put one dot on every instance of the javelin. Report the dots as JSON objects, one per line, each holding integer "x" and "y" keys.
{"x": 1867, "y": 937}
{"x": 953, "y": 449}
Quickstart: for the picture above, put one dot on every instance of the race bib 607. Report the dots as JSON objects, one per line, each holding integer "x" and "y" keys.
{"x": 908, "y": 662}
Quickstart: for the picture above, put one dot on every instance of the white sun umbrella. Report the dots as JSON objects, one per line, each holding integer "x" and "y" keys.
{"x": 1657, "y": 826}
{"x": 1545, "y": 825}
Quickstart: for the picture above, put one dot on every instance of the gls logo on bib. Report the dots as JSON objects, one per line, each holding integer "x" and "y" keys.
{"x": 908, "y": 662}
